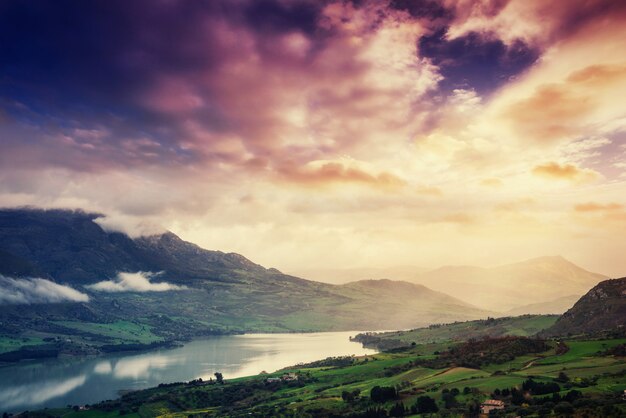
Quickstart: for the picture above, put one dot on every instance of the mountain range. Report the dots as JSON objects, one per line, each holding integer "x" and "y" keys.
{"x": 179, "y": 289}
{"x": 543, "y": 280}
{"x": 60, "y": 268}
{"x": 543, "y": 285}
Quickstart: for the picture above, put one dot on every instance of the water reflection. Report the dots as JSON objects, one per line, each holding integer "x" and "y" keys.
{"x": 38, "y": 393}
{"x": 56, "y": 383}
{"x": 143, "y": 366}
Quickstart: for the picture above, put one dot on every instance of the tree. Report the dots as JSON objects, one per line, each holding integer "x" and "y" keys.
{"x": 449, "y": 400}
{"x": 347, "y": 396}
{"x": 517, "y": 397}
{"x": 473, "y": 408}
{"x": 398, "y": 410}
{"x": 573, "y": 395}
{"x": 219, "y": 377}
{"x": 426, "y": 405}
{"x": 376, "y": 412}
{"x": 563, "y": 408}
{"x": 563, "y": 378}
{"x": 383, "y": 393}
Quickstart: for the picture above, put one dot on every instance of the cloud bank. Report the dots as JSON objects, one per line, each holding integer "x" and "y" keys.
{"x": 134, "y": 282}
{"x": 28, "y": 291}
{"x": 343, "y": 127}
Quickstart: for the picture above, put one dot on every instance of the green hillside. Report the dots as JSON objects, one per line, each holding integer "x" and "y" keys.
{"x": 525, "y": 325}
{"x": 548, "y": 382}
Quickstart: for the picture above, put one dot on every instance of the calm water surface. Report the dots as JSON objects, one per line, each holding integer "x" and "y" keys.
{"x": 78, "y": 381}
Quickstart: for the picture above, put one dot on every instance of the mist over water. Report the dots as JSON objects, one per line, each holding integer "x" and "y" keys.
{"x": 79, "y": 381}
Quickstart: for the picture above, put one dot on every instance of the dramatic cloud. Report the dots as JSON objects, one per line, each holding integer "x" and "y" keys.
{"x": 29, "y": 291}
{"x": 134, "y": 282}
{"x": 294, "y": 131}
{"x": 559, "y": 111}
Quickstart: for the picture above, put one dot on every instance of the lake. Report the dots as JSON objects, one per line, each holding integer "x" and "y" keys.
{"x": 78, "y": 381}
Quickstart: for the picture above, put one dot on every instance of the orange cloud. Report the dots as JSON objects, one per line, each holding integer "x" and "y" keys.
{"x": 491, "y": 182}
{"x": 569, "y": 172}
{"x": 608, "y": 212}
{"x": 336, "y": 172}
{"x": 597, "y": 207}
{"x": 556, "y": 110}
{"x": 459, "y": 218}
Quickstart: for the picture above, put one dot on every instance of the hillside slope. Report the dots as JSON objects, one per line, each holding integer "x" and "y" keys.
{"x": 511, "y": 286}
{"x": 402, "y": 303}
{"x": 602, "y": 309}
{"x": 201, "y": 291}
{"x": 522, "y": 326}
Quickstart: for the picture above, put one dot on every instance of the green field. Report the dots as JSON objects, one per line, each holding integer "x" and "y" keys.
{"x": 580, "y": 349}
{"x": 524, "y": 326}
{"x": 119, "y": 331}
{"x": 318, "y": 393}
{"x": 11, "y": 344}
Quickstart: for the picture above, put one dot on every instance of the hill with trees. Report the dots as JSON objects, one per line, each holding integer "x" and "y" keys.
{"x": 602, "y": 310}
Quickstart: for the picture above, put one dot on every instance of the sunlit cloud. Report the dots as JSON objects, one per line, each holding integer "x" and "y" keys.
{"x": 597, "y": 207}
{"x": 569, "y": 172}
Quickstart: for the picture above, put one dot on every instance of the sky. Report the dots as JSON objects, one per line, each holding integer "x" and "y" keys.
{"x": 336, "y": 134}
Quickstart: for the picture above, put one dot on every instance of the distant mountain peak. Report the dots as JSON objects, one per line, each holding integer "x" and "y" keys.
{"x": 506, "y": 287}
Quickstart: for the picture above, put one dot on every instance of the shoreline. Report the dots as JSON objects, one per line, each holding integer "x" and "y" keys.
{"x": 300, "y": 356}
{"x": 34, "y": 353}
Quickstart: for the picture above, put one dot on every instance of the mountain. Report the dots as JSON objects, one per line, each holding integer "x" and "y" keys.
{"x": 507, "y": 287}
{"x": 71, "y": 246}
{"x": 199, "y": 291}
{"x": 601, "y": 310}
{"x": 404, "y": 302}
{"x": 556, "y": 306}
{"x": 328, "y": 275}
